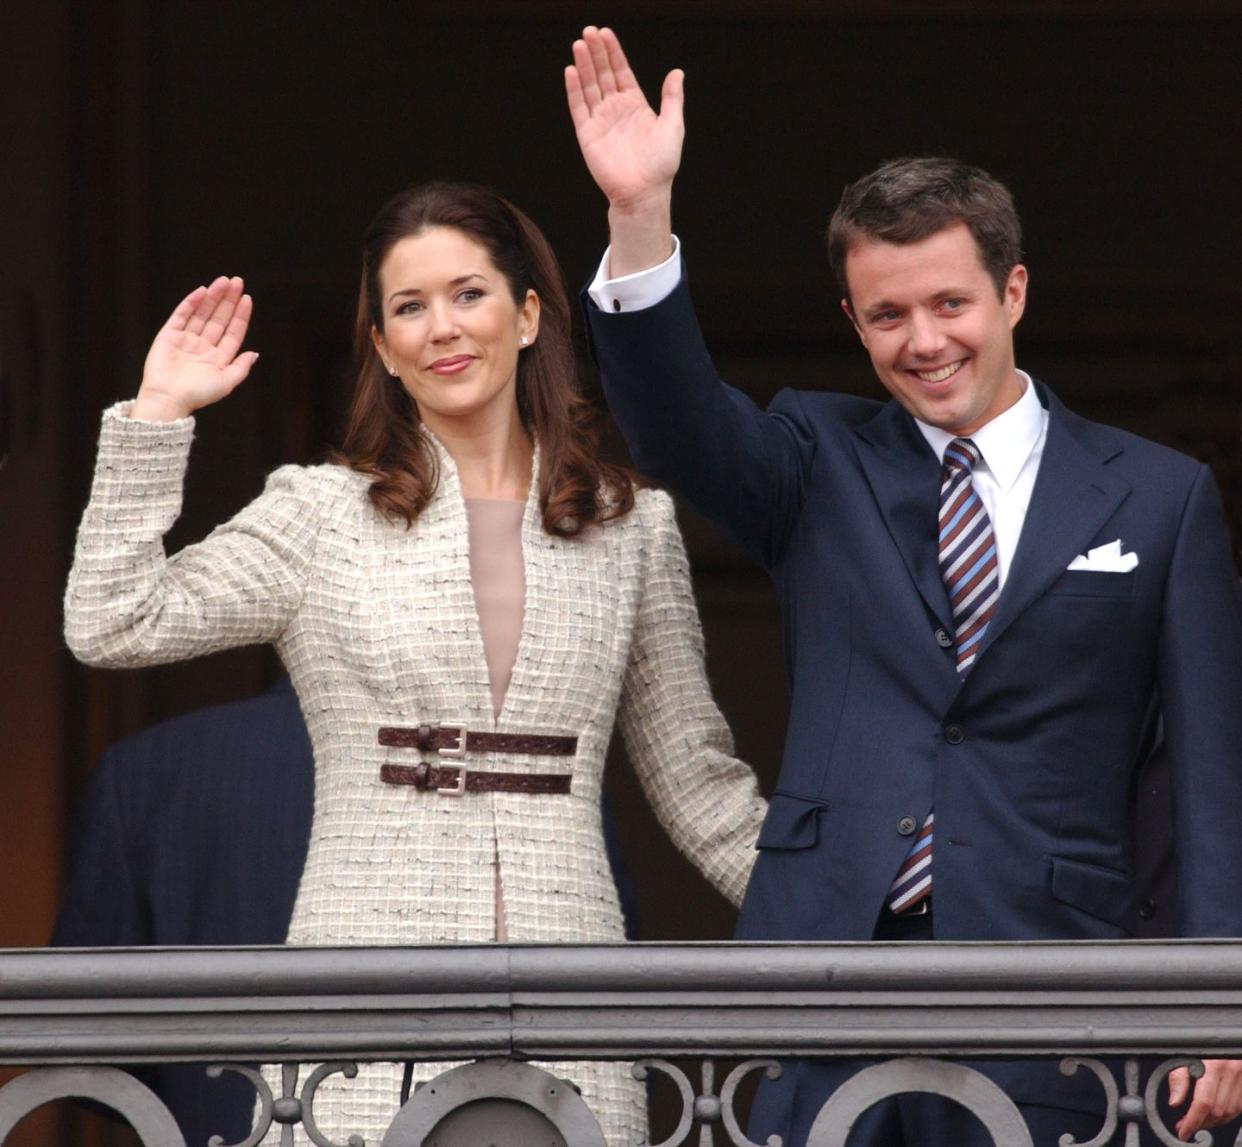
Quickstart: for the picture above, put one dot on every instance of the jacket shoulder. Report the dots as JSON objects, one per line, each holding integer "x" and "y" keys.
{"x": 825, "y": 407}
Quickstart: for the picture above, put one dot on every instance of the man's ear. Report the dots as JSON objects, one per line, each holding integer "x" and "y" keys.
{"x": 849, "y": 314}
{"x": 1015, "y": 294}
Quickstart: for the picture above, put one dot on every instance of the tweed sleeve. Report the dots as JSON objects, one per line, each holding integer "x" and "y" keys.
{"x": 127, "y": 604}
{"x": 678, "y": 742}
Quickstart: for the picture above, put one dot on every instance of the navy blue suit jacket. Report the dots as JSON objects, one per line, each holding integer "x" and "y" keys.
{"x": 1030, "y": 760}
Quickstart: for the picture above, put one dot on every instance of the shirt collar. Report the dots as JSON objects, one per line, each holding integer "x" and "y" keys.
{"x": 1006, "y": 442}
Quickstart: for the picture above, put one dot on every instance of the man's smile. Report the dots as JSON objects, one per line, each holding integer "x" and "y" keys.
{"x": 940, "y": 374}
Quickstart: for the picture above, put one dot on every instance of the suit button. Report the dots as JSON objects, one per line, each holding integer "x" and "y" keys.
{"x": 1147, "y": 909}
{"x": 944, "y": 638}
{"x": 954, "y": 734}
{"x": 907, "y": 825}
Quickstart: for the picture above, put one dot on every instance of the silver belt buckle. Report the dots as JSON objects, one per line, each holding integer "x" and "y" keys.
{"x": 457, "y": 789}
{"x": 459, "y": 727}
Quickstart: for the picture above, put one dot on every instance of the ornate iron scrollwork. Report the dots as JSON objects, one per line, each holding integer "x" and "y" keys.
{"x": 972, "y": 1089}
{"x": 506, "y": 1081}
{"x": 707, "y": 1109}
{"x": 110, "y": 1086}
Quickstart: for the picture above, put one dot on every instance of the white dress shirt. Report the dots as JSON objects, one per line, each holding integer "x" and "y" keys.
{"x": 1011, "y": 445}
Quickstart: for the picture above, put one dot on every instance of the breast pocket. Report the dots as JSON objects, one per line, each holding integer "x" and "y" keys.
{"x": 1095, "y": 583}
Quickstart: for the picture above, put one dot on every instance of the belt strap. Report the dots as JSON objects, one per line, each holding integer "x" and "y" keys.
{"x": 455, "y": 740}
{"x": 453, "y": 781}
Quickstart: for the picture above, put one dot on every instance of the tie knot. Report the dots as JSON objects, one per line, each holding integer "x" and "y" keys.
{"x": 961, "y": 454}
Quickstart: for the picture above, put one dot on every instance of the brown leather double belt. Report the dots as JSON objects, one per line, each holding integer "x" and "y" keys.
{"x": 455, "y": 740}
{"x": 451, "y": 740}
{"x": 452, "y": 781}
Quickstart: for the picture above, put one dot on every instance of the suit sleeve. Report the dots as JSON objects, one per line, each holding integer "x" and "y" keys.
{"x": 677, "y": 740}
{"x": 740, "y": 467}
{"x": 128, "y": 605}
{"x": 103, "y": 904}
{"x": 1200, "y": 668}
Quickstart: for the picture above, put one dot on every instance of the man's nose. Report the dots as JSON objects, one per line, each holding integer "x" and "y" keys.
{"x": 926, "y": 339}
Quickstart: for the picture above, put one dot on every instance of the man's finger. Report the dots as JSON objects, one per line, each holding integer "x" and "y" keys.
{"x": 673, "y": 96}
{"x": 604, "y": 75}
{"x": 621, "y": 69}
{"x": 578, "y": 110}
{"x": 1202, "y": 1101}
{"x": 586, "y": 74}
{"x": 1178, "y": 1078}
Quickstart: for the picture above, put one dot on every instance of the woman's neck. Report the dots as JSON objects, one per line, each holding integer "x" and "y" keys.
{"x": 492, "y": 460}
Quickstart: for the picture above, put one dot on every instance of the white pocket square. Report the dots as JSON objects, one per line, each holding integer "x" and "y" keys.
{"x": 1107, "y": 558}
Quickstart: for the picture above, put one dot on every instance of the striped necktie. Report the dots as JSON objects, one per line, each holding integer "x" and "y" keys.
{"x": 968, "y": 566}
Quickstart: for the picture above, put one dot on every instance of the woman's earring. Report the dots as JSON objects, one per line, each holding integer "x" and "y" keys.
{"x": 522, "y": 340}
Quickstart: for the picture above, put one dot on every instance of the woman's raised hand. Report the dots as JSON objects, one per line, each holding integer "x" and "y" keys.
{"x": 195, "y": 360}
{"x": 632, "y": 153}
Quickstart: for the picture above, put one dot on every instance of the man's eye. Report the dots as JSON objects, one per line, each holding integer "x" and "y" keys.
{"x": 953, "y": 304}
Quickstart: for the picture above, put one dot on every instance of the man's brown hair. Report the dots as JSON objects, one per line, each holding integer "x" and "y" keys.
{"x": 906, "y": 200}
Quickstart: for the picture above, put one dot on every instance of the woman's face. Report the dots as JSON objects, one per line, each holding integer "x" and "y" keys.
{"x": 452, "y": 330}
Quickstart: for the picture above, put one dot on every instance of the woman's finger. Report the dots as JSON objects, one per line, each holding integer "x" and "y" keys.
{"x": 235, "y": 332}
{"x": 226, "y": 306}
{"x": 181, "y": 315}
{"x": 206, "y": 306}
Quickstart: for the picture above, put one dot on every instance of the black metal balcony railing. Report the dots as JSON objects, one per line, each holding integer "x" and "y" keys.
{"x": 73, "y": 1013}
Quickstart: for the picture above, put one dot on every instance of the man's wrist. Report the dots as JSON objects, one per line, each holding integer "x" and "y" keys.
{"x": 640, "y": 234}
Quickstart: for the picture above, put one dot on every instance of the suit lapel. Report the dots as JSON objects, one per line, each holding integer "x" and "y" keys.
{"x": 904, "y": 476}
{"x": 1075, "y": 494}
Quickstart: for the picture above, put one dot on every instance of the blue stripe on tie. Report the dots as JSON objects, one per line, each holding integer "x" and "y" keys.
{"x": 975, "y": 568}
{"x": 974, "y": 639}
{"x": 966, "y": 505}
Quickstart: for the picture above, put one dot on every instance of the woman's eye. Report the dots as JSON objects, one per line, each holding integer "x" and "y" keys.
{"x": 410, "y": 307}
{"x": 470, "y": 295}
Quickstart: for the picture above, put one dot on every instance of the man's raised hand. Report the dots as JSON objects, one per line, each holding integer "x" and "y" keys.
{"x": 631, "y": 152}
{"x": 195, "y": 360}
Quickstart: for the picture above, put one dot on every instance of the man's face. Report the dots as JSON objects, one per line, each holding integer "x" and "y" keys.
{"x": 939, "y": 337}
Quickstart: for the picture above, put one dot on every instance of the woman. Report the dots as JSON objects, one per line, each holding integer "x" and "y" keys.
{"x": 464, "y": 563}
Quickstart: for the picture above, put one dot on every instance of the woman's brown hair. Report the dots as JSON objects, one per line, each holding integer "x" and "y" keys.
{"x": 383, "y": 437}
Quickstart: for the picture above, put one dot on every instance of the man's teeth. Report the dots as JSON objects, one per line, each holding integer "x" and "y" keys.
{"x": 941, "y": 374}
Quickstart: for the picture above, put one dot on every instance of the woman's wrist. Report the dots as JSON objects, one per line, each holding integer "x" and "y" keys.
{"x": 156, "y": 408}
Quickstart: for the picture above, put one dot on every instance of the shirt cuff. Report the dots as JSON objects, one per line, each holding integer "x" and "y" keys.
{"x": 640, "y": 290}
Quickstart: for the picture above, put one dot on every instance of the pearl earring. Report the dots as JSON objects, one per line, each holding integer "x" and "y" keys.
{"x": 522, "y": 340}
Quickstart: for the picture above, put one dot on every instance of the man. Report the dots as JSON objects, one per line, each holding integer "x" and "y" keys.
{"x": 983, "y": 595}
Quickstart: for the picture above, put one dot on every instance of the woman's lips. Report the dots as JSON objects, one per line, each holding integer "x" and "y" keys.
{"x": 453, "y": 365}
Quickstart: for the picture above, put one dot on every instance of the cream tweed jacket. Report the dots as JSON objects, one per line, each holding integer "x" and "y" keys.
{"x": 377, "y": 626}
